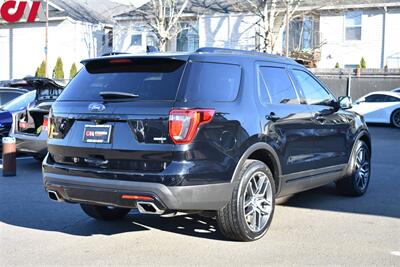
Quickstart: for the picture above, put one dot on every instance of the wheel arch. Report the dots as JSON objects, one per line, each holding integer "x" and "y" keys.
{"x": 364, "y": 136}
{"x": 264, "y": 153}
{"x": 391, "y": 114}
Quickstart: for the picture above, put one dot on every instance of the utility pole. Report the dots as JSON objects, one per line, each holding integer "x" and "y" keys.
{"x": 46, "y": 47}
{"x": 11, "y": 51}
{"x": 287, "y": 29}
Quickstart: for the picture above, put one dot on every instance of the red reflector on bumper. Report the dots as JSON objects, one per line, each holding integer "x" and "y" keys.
{"x": 135, "y": 197}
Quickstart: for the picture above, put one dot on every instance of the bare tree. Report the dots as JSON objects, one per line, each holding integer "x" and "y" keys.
{"x": 164, "y": 18}
{"x": 272, "y": 16}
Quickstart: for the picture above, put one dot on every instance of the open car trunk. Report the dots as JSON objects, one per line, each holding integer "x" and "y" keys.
{"x": 34, "y": 119}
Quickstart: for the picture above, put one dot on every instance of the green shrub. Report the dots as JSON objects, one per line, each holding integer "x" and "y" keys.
{"x": 58, "y": 72}
{"x": 73, "y": 71}
{"x": 363, "y": 64}
{"x": 337, "y": 66}
{"x": 41, "y": 70}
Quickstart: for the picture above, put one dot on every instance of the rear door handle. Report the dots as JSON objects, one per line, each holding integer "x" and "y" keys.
{"x": 272, "y": 117}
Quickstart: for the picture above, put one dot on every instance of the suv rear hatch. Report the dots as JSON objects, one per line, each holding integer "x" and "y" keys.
{"x": 32, "y": 119}
{"x": 114, "y": 115}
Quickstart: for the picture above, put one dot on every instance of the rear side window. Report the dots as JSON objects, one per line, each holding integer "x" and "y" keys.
{"x": 313, "y": 92}
{"x": 213, "y": 82}
{"x": 48, "y": 94}
{"x": 6, "y": 97}
{"x": 148, "y": 78}
{"x": 392, "y": 99}
{"x": 20, "y": 102}
{"x": 381, "y": 98}
{"x": 276, "y": 86}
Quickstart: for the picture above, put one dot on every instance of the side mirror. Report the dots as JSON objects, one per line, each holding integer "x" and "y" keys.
{"x": 345, "y": 102}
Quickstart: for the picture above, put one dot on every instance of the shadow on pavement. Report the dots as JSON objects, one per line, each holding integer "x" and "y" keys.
{"x": 326, "y": 198}
{"x": 382, "y": 197}
{"x": 23, "y": 202}
{"x": 191, "y": 225}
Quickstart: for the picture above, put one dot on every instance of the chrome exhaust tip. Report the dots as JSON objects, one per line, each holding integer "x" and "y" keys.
{"x": 149, "y": 208}
{"x": 53, "y": 195}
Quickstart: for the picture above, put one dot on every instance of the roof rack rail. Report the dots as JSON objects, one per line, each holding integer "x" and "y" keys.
{"x": 230, "y": 51}
{"x": 113, "y": 53}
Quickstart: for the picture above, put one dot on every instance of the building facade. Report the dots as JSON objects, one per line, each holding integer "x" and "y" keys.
{"x": 340, "y": 34}
{"x": 74, "y": 33}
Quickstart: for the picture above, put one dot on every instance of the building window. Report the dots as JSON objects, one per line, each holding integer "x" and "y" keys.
{"x": 303, "y": 34}
{"x": 136, "y": 40}
{"x": 188, "y": 39}
{"x": 152, "y": 40}
{"x": 353, "y": 26}
{"x": 110, "y": 38}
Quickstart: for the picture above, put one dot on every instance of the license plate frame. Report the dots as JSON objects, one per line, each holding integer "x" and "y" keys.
{"x": 97, "y": 134}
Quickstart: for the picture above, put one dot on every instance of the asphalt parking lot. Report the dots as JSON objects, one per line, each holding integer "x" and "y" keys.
{"x": 317, "y": 227}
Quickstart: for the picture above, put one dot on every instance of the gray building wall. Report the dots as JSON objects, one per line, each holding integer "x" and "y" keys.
{"x": 370, "y": 80}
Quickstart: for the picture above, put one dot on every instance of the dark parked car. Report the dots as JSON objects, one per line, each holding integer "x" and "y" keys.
{"x": 30, "y": 123}
{"x": 5, "y": 125}
{"x": 27, "y": 83}
{"x": 9, "y": 107}
{"x": 218, "y": 130}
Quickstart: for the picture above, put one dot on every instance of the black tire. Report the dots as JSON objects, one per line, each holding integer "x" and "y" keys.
{"x": 353, "y": 184}
{"x": 231, "y": 219}
{"x": 104, "y": 213}
{"x": 395, "y": 118}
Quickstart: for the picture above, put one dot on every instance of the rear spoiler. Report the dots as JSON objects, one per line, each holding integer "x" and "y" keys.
{"x": 43, "y": 83}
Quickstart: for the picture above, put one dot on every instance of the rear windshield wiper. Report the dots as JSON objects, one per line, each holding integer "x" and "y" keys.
{"x": 117, "y": 95}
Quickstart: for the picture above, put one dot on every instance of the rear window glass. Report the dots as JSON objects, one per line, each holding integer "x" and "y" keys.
{"x": 6, "y": 97}
{"x": 48, "y": 94}
{"x": 20, "y": 102}
{"x": 211, "y": 82}
{"x": 149, "y": 79}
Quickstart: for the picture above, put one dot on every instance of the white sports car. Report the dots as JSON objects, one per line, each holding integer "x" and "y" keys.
{"x": 379, "y": 107}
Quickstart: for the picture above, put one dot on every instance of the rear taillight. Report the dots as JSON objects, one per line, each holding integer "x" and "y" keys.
{"x": 45, "y": 123}
{"x": 58, "y": 127}
{"x": 184, "y": 123}
{"x": 23, "y": 125}
{"x": 120, "y": 60}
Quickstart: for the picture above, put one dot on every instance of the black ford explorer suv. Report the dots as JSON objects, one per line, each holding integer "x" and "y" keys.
{"x": 219, "y": 130}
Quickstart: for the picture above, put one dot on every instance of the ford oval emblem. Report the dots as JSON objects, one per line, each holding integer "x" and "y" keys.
{"x": 97, "y": 107}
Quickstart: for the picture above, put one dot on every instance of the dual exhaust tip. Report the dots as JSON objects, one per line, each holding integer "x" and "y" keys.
{"x": 144, "y": 207}
{"x": 149, "y": 208}
{"x": 53, "y": 195}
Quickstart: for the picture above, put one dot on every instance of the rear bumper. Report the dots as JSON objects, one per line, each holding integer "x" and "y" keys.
{"x": 78, "y": 189}
{"x": 31, "y": 144}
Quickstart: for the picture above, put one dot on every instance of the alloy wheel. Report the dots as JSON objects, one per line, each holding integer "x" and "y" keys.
{"x": 362, "y": 168}
{"x": 258, "y": 201}
{"x": 396, "y": 119}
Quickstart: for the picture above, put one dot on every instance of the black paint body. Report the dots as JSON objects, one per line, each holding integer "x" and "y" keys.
{"x": 304, "y": 145}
